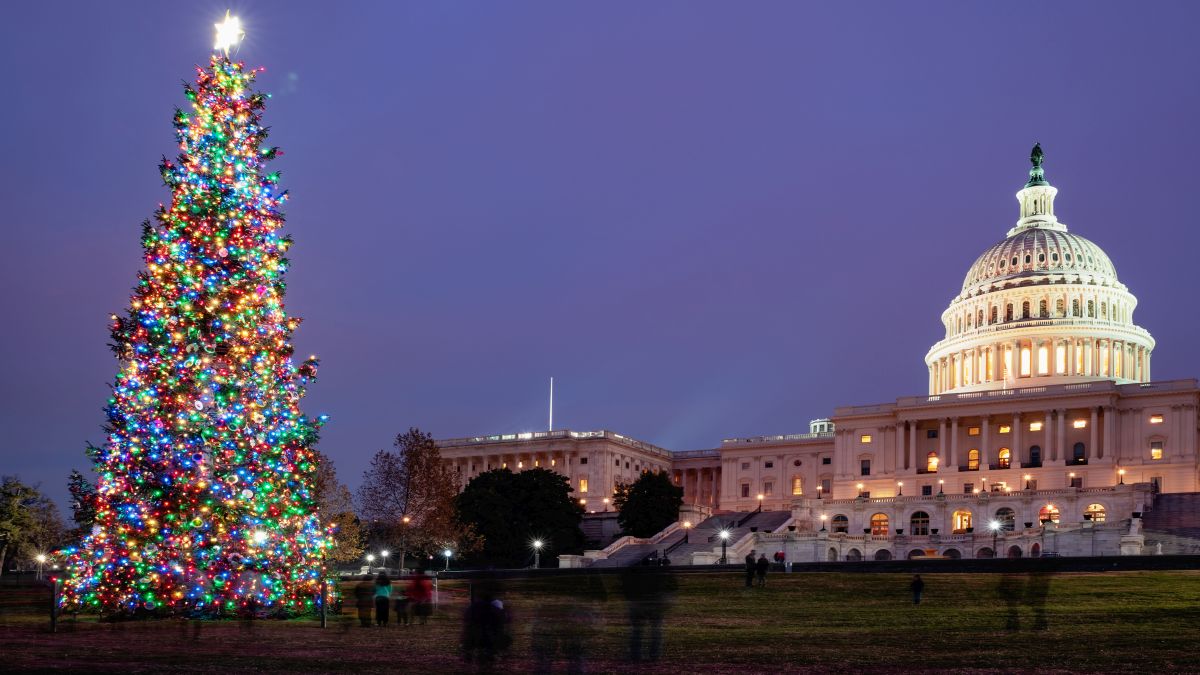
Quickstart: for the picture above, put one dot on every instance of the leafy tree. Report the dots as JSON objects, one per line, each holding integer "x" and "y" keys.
{"x": 648, "y": 504}
{"x": 407, "y": 498}
{"x": 335, "y": 505}
{"x": 510, "y": 510}
{"x": 29, "y": 522}
{"x": 83, "y": 504}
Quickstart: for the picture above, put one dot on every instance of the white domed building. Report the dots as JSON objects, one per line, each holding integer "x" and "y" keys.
{"x": 1041, "y": 432}
{"x": 1042, "y": 306}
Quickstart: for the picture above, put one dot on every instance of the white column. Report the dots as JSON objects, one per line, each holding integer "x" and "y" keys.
{"x": 1048, "y": 428}
{"x": 985, "y": 449}
{"x": 1109, "y": 431}
{"x": 1095, "y": 435}
{"x": 910, "y": 454}
{"x": 1061, "y": 441}
{"x": 1019, "y": 453}
{"x": 954, "y": 442}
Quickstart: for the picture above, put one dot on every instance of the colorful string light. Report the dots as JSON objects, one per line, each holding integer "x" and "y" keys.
{"x": 204, "y": 498}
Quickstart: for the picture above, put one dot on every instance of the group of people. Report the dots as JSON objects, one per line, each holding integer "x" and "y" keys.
{"x": 756, "y": 569}
{"x": 415, "y": 601}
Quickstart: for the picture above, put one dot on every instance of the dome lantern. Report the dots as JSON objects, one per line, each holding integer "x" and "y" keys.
{"x": 1037, "y": 197}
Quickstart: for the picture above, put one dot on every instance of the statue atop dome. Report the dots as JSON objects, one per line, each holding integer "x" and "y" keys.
{"x": 1036, "y": 174}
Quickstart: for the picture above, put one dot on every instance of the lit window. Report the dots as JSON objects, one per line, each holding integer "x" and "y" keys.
{"x": 931, "y": 463}
{"x": 504, "y": 465}
{"x": 1156, "y": 449}
{"x": 1060, "y": 358}
{"x": 1025, "y": 360}
{"x": 583, "y": 485}
{"x": 1035, "y": 426}
{"x": 520, "y": 465}
{"x": 962, "y": 521}
{"x": 972, "y": 460}
{"x": 1005, "y": 456}
{"x": 1048, "y": 513}
{"x": 1005, "y": 429}
{"x": 797, "y": 486}
{"x": 553, "y": 462}
{"x": 866, "y": 438}
{"x": 1096, "y": 511}
{"x": 1079, "y": 424}
{"x": 879, "y": 525}
{"x": 972, "y": 431}
{"x": 1043, "y": 360}
{"x": 537, "y": 463}
{"x": 1156, "y": 419}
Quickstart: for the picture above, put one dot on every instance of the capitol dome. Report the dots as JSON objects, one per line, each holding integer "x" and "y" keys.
{"x": 1042, "y": 306}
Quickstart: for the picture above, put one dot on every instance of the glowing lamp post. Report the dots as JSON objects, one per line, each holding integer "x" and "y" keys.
{"x": 447, "y": 553}
{"x": 41, "y": 560}
{"x": 941, "y": 484}
{"x": 605, "y": 500}
{"x": 403, "y": 543}
{"x": 899, "y": 488}
{"x": 994, "y": 526}
{"x": 537, "y": 553}
{"x": 760, "y": 498}
{"x": 1027, "y": 479}
{"x": 823, "y": 519}
{"x": 819, "y": 488}
{"x": 1121, "y": 477}
{"x": 724, "y": 534}
{"x": 384, "y": 555}
{"x": 687, "y": 525}
{"x": 370, "y": 559}
{"x": 860, "y": 489}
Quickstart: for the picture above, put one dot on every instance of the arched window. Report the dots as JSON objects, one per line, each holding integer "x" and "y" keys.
{"x": 1005, "y": 457}
{"x": 1091, "y": 309}
{"x": 1096, "y": 511}
{"x": 1074, "y": 308}
{"x": 841, "y": 523}
{"x": 919, "y": 524}
{"x": 853, "y": 555}
{"x": 961, "y": 521}
{"x": 1007, "y": 519}
{"x": 1048, "y": 512}
{"x": 831, "y": 555}
{"x": 1015, "y": 551}
{"x": 972, "y": 460}
{"x": 979, "y": 318}
{"x": 952, "y": 553}
{"x": 1025, "y": 310}
{"x": 1008, "y": 312}
{"x": 985, "y": 552}
{"x": 931, "y": 463}
{"x": 1035, "y": 455}
{"x": 1060, "y": 307}
{"x": 879, "y": 525}
{"x": 1078, "y": 452}
{"x": 992, "y": 315}
{"x": 1043, "y": 312}
{"x": 1103, "y": 310}
{"x": 883, "y": 554}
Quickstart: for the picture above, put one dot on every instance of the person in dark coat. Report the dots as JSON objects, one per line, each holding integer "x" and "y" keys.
{"x": 917, "y": 586}
{"x": 751, "y": 564}
{"x": 363, "y": 592}
{"x": 760, "y": 568}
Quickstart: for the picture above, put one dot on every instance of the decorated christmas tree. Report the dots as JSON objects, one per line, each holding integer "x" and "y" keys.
{"x": 204, "y": 500}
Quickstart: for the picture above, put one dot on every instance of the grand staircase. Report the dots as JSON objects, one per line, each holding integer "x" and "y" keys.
{"x": 1174, "y": 522}
{"x": 678, "y": 545}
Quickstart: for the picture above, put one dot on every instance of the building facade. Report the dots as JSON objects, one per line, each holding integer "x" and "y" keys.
{"x": 1040, "y": 414}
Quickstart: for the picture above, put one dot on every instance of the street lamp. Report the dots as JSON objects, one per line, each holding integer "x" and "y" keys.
{"x": 819, "y": 488}
{"x": 860, "y": 488}
{"x": 823, "y": 519}
{"x": 1121, "y": 477}
{"x": 447, "y": 553}
{"x": 605, "y": 500}
{"x": 760, "y": 498}
{"x": 724, "y": 534}
{"x": 995, "y": 528}
{"x": 899, "y": 488}
{"x": 384, "y": 554}
{"x": 687, "y": 525}
{"x": 403, "y": 543}
{"x": 941, "y": 483}
{"x": 41, "y": 560}
{"x": 370, "y": 559}
{"x": 537, "y": 553}
{"x": 1027, "y": 479}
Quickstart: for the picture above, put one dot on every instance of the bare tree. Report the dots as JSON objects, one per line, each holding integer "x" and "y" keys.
{"x": 407, "y": 497}
{"x": 336, "y": 506}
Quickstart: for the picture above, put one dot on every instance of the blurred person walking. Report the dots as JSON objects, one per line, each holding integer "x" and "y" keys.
{"x": 383, "y": 599}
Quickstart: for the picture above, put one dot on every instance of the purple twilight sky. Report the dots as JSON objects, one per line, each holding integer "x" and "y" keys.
{"x": 703, "y": 219}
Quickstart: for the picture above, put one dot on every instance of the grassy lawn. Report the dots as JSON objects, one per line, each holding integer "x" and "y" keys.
{"x": 1121, "y": 621}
